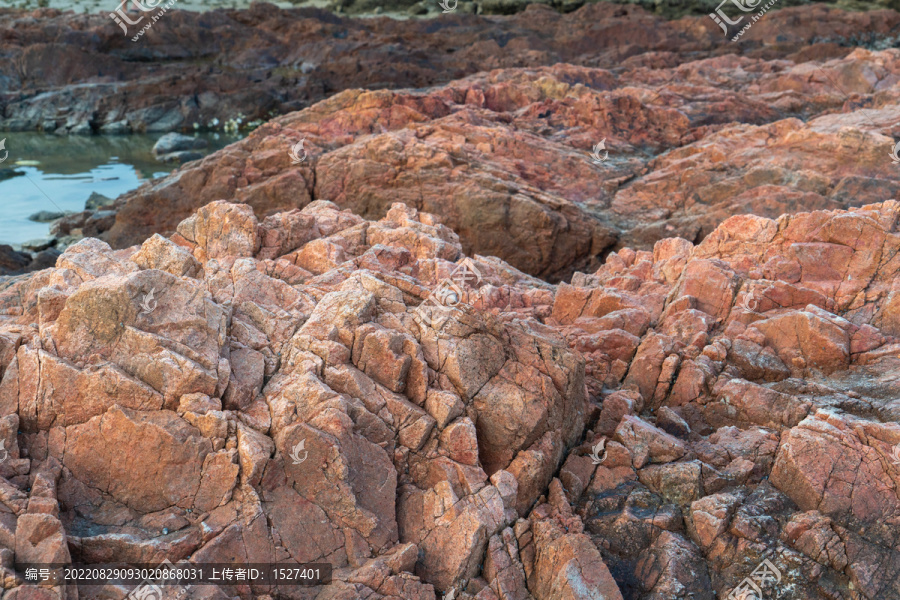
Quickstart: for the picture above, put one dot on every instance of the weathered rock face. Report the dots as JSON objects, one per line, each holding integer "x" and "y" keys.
{"x": 78, "y": 73}
{"x": 659, "y": 428}
{"x": 263, "y": 382}
{"x": 505, "y": 156}
{"x": 209, "y": 398}
{"x": 694, "y": 132}
{"x": 669, "y": 8}
{"x": 767, "y": 362}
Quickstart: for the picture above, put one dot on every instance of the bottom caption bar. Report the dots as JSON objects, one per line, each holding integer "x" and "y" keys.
{"x": 178, "y": 574}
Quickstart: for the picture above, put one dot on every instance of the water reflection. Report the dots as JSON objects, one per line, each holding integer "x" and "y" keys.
{"x": 51, "y": 173}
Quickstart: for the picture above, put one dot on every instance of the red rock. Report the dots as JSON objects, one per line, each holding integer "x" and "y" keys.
{"x": 460, "y": 441}
{"x": 280, "y": 388}
{"x": 672, "y": 565}
{"x": 671, "y": 422}
{"x": 164, "y": 464}
{"x": 676, "y": 482}
{"x": 820, "y": 342}
{"x": 824, "y": 465}
{"x": 759, "y": 406}
{"x": 711, "y": 283}
{"x": 566, "y": 565}
{"x": 452, "y": 533}
{"x": 533, "y": 470}
{"x": 647, "y": 443}
{"x": 615, "y": 406}
{"x": 41, "y": 539}
{"x": 503, "y": 569}
{"x": 576, "y": 474}
{"x": 812, "y": 534}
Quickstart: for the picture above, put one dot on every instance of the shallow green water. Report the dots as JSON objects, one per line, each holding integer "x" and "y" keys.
{"x": 59, "y": 173}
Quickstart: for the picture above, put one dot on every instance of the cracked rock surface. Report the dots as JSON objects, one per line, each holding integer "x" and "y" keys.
{"x": 267, "y": 391}
{"x": 673, "y": 376}
{"x": 505, "y": 156}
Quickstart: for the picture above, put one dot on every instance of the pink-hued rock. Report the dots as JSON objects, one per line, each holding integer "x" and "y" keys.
{"x": 646, "y": 443}
{"x": 565, "y": 563}
{"x": 710, "y": 517}
{"x": 835, "y": 467}
{"x": 672, "y": 565}
{"x": 165, "y": 455}
{"x": 193, "y": 403}
{"x": 41, "y": 539}
{"x": 264, "y": 385}
{"x": 486, "y": 151}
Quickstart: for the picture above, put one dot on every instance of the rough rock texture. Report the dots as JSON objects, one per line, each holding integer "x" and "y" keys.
{"x": 167, "y": 388}
{"x": 246, "y": 387}
{"x": 80, "y": 73}
{"x": 505, "y": 156}
{"x": 668, "y": 8}
{"x": 248, "y": 374}
{"x": 771, "y": 372}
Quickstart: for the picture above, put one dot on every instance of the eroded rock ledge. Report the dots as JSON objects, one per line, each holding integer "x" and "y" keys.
{"x": 505, "y": 157}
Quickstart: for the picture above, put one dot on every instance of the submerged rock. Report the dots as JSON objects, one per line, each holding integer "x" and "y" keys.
{"x": 46, "y": 216}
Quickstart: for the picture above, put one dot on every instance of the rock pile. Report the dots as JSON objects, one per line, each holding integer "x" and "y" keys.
{"x": 268, "y": 390}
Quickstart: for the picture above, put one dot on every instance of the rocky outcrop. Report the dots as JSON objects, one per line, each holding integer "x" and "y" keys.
{"x": 667, "y": 8}
{"x": 245, "y": 386}
{"x": 262, "y": 361}
{"x": 81, "y": 73}
{"x": 207, "y": 397}
{"x": 696, "y": 128}
{"x": 785, "y": 448}
{"x": 506, "y": 158}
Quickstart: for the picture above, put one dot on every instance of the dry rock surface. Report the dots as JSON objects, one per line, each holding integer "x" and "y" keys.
{"x": 508, "y": 157}
{"x": 273, "y": 391}
{"x": 632, "y": 394}
{"x": 66, "y": 72}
